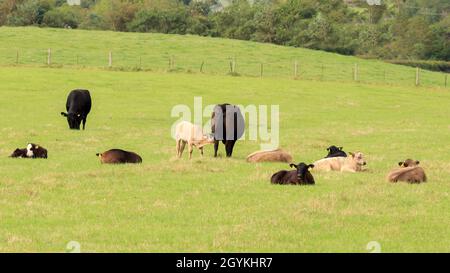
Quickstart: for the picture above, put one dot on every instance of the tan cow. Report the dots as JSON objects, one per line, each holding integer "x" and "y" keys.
{"x": 192, "y": 135}
{"x": 409, "y": 171}
{"x": 352, "y": 163}
{"x": 277, "y": 155}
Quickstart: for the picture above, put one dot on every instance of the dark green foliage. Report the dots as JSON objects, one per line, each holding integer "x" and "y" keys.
{"x": 405, "y": 30}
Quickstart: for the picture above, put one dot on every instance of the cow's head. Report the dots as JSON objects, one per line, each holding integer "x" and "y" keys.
{"x": 358, "y": 158}
{"x": 73, "y": 119}
{"x": 409, "y": 163}
{"x": 302, "y": 170}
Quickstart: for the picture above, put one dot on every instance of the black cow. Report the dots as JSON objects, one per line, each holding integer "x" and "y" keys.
{"x": 301, "y": 176}
{"x": 334, "y": 151}
{"x": 227, "y": 125}
{"x": 78, "y": 106}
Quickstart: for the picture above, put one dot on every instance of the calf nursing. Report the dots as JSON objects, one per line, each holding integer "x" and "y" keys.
{"x": 192, "y": 135}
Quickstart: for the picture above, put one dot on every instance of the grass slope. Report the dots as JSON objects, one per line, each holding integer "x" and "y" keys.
{"x": 209, "y": 204}
{"x": 153, "y": 51}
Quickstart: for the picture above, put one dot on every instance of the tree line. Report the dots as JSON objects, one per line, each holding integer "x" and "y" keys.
{"x": 395, "y": 29}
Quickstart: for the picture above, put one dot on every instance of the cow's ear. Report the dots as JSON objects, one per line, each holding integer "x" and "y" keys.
{"x": 63, "y": 114}
{"x": 417, "y": 162}
{"x": 400, "y": 163}
{"x": 310, "y": 166}
{"x": 405, "y": 164}
{"x": 340, "y": 148}
{"x": 328, "y": 149}
{"x": 292, "y": 165}
{"x": 352, "y": 154}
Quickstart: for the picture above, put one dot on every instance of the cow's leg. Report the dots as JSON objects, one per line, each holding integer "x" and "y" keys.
{"x": 201, "y": 151}
{"x": 84, "y": 122}
{"x": 216, "y": 147}
{"x": 191, "y": 148}
{"x": 178, "y": 147}
{"x": 182, "y": 145}
{"x": 229, "y": 147}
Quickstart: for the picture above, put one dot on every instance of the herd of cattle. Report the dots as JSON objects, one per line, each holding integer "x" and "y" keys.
{"x": 227, "y": 126}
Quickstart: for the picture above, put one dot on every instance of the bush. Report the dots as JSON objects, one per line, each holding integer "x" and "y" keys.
{"x": 64, "y": 16}
{"x": 428, "y": 65}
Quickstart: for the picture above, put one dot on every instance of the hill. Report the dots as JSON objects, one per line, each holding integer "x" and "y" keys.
{"x": 161, "y": 52}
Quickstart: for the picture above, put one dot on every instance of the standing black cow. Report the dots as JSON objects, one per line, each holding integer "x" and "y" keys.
{"x": 78, "y": 106}
{"x": 227, "y": 125}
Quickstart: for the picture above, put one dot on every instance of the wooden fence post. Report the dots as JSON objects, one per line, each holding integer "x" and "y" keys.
{"x": 201, "y": 66}
{"x": 295, "y": 69}
{"x": 17, "y": 57}
{"x": 234, "y": 65}
{"x": 110, "y": 60}
{"x": 49, "y": 56}
{"x": 417, "y": 76}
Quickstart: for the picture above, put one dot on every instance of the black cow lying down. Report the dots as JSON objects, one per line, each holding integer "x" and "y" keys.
{"x": 334, "y": 151}
{"x": 300, "y": 176}
{"x": 31, "y": 151}
{"x": 118, "y": 156}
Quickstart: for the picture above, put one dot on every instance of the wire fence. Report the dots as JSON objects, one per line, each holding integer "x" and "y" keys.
{"x": 249, "y": 66}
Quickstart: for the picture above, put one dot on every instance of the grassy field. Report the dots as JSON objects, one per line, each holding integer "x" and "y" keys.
{"x": 221, "y": 204}
{"x": 138, "y": 51}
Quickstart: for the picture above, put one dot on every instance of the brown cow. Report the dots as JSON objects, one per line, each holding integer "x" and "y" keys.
{"x": 117, "y": 156}
{"x": 409, "y": 171}
{"x": 277, "y": 155}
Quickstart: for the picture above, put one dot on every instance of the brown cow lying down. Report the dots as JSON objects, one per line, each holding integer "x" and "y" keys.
{"x": 277, "y": 155}
{"x": 117, "y": 156}
{"x": 409, "y": 171}
{"x": 352, "y": 163}
{"x": 31, "y": 151}
{"x": 301, "y": 176}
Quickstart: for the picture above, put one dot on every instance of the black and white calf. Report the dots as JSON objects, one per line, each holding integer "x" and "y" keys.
{"x": 31, "y": 151}
{"x": 78, "y": 106}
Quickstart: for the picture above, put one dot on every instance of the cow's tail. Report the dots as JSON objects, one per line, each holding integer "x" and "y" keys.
{"x": 99, "y": 155}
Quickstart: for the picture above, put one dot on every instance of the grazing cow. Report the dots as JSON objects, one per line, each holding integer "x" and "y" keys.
{"x": 117, "y": 156}
{"x": 409, "y": 171}
{"x": 78, "y": 106}
{"x": 192, "y": 135}
{"x": 334, "y": 151}
{"x": 31, "y": 151}
{"x": 301, "y": 176}
{"x": 353, "y": 163}
{"x": 277, "y": 155}
{"x": 227, "y": 125}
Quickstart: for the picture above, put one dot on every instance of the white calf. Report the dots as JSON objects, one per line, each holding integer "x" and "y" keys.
{"x": 186, "y": 132}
